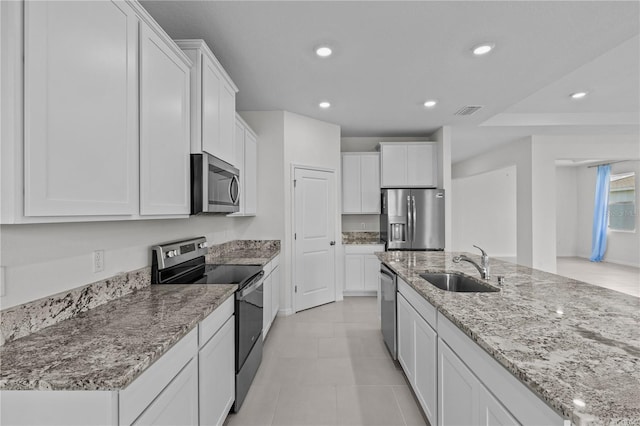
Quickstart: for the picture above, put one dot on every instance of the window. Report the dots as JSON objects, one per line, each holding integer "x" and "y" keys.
{"x": 622, "y": 202}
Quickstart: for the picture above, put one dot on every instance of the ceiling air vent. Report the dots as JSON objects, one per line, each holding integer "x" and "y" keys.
{"x": 468, "y": 110}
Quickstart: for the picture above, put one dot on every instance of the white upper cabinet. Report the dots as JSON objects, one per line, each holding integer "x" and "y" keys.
{"x": 360, "y": 183}
{"x": 104, "y": 132}
{"x": 408, "y": 164}
{"x": 80, "y": 112}
{"x": 213, "y": 103}
{"x": 164, "y": 126}
{"x": 246, "y": 160}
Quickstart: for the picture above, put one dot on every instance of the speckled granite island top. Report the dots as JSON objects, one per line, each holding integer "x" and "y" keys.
{"x": 107, "y": 347}
{"x": 566, "y": 340}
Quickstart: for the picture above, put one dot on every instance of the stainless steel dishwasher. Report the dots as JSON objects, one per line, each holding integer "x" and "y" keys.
{"x": 388, "y": 288}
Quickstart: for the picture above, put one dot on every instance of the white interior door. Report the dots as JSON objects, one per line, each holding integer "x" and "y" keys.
{"x": 314, "y": 205}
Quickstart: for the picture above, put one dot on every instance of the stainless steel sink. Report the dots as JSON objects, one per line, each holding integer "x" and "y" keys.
{"x": 457, "y": 282}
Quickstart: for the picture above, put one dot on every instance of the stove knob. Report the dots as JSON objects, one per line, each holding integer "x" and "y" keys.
{"x": 171, "y": 253}
{"x": 202, "y": 245}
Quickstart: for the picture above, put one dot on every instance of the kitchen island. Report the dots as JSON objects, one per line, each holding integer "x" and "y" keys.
{"x": 574, "y": 345}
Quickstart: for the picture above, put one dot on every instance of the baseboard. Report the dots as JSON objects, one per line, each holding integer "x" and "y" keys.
{"x": 285, "y": 312}
{"x": 605, "y": 260}
{"x": 349, "y": 293}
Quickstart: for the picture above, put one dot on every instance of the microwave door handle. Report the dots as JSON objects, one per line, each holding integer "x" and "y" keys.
{"x": 413, "y": 218}
{"x": 234, "y": 179}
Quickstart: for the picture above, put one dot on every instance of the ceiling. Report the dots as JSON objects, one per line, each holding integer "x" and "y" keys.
{"x": 391, "y": 56}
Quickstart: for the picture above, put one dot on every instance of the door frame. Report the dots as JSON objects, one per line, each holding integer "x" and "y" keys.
{"x": 293, "y": 241}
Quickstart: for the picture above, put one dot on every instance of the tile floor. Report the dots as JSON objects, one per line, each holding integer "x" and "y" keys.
{"x": 625, "y": 279}
{"x": 329, "y": 366}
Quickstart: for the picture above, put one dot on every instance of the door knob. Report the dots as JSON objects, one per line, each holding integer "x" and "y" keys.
{"x": 332, "y": 243}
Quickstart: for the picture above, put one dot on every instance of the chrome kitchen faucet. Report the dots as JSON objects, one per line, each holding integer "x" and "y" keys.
{"x": 483, "y": 268}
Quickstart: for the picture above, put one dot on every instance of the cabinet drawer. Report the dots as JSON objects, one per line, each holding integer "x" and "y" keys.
{"x": 211, "y": 324}
{"x": 363, "y": 248}
{"x": 135, "y": 398}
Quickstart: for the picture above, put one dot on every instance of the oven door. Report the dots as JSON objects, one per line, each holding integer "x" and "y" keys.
{"x": 249, "y": 306}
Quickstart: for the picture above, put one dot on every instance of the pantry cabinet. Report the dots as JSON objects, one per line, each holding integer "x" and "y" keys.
{"x": 80, "y": 116}
{"x": 362, "y": 269}
{"x": 360, "y": 183}
{"x": 213, "y": 103}
{"x": 408, "y": 164}
{"x": 164, "y": 132}
{"x": 246, "y": 160}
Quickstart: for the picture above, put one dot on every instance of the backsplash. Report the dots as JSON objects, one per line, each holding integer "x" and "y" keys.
{"x": 361, "y": 238}
{"x": 19, "y": 321}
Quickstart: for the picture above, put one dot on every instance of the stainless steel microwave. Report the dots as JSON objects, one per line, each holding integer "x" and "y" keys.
{"x": 215, "y": 186}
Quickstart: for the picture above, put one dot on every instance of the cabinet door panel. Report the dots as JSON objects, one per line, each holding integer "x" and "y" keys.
{"x": 211, "y": 84}
{"x": 421, "y": 165}
{"x": 354, "y": 272}
{"x": 177, "y": 404}
{"x": 81, "y": 109}
{"x": 250, "y": 174}
{"x": 458, "y": 390}
{"x": 266, "y": 305}
{"x": 493, "y": 413}
{"x": 227, "y": 123}
{"x": 371, "y": 272}
{"x": 393, "y": 165}
{"x": 275, "y": 292}
{"x": 239, "y": 154}
{"x": 370, "y": 183}
{"x": 426, "y": 375}
{"x": 217, "y": 376}
{"x": 164, "y": 128}
{"x": 406, "y": 337}
{"x": 351, "y": 194}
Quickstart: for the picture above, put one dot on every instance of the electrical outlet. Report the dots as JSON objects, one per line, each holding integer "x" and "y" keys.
{"x": 363, "y": 225}
{"x": 98, "y": 261}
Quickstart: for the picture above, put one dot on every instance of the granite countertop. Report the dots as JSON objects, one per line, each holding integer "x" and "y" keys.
{"x": 361, "y": 237}
{"x": 565, "y": 339}
{"x": 107, "y": 347}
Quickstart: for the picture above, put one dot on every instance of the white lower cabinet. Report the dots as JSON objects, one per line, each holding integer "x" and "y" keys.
{"x": 192, "y": 383}
{"x": 459, "y": 390}
{"x": 216, "y": 361}
{"x": 492, "y": 413}
{"x": 271, "y": 294}
{"x": 417, "y": 351}
{"x": 455, "y": 381}
{"x": 177, "y": 404}
{"x": 362, "y": 269}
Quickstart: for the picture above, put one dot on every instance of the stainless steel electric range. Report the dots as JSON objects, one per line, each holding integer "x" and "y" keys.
{"x": 183, "y": 262}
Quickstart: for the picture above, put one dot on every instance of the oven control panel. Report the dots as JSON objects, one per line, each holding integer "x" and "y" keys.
{"x": 175, "y": 252}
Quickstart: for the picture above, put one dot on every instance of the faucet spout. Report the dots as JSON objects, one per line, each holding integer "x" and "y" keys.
{"x": 483, "y": 267}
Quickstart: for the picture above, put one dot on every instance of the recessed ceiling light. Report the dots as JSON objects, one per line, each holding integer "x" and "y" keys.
{"x": 430, "y": 103}
{"x": 324, "y": 51}
{"x": 483, "y": 49}
{"x": 324, "y": 104}
{"x": 578, "y": 95}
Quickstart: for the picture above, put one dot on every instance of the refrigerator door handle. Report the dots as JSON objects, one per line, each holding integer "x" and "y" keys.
{"x": 409, "y": 219}
{"x": 413, "y": 215}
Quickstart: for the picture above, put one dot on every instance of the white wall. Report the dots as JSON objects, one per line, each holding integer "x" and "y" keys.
{"x": 44, "y": 259}
{"x": 360, "y": 222}
{"x": 534, "y": 158}
{"x": 567, "y": 215}
{"x": 622, "y": 247}
{"x": 310, "y": 142}
{"x": 484, "y": 213}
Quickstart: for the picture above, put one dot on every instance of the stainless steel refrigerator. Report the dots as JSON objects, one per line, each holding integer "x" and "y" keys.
{"x": 412, "y": 219}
